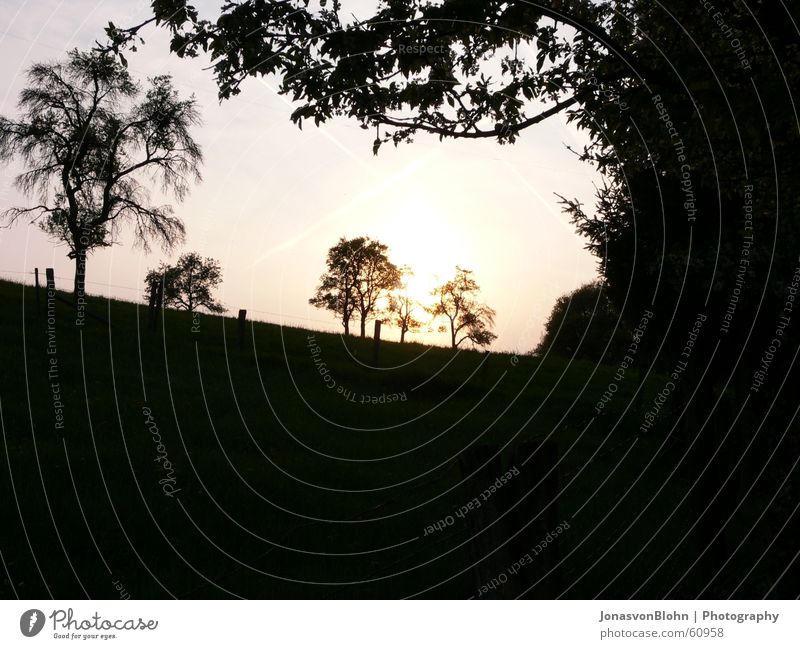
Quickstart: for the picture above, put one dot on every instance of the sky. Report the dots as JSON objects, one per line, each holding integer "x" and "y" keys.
{"x": 274, "y": 198}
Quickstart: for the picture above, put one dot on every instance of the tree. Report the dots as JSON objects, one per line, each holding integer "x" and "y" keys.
{"x": 375, "y": 277}
{"x": 402, "y": 307}
{"x": 336, "y": 290}
{"x": 585, "y": 324}
{"x": 359, "y": 274}
{"x": 456, "y": 300}
{"x": 494, "y": 69}
{"x": 189, "y": 283}
{"x": 651, "y": 88}
{"x": 374, "y": 70}
{"x": 86, "y": 134}
{"x": 690, "y": 114}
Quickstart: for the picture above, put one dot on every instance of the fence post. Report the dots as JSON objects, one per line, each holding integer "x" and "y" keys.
{"x": 485, "y": 367}
{"x": 376, "y": 342}
{"x": 50, "y": 295}
{"x": 38, "y": 290}
{"x": 480, "y": 466}
{"x": 539, "y": 476}
{"x": 242, "y": 321}
{"x": 639, "y": 398}
{"x": 159, "y": 299}
{"x": 156, "y": 301}
{"x": 525, "y": 499}
{"x": 151, "y": 306}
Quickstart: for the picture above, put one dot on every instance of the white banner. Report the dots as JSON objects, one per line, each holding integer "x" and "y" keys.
{"x": 400, "y": 625}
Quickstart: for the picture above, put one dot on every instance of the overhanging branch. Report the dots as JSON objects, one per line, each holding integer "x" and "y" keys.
{"x": 477, "y": 133}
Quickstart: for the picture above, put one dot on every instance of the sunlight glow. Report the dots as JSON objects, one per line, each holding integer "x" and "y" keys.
{"x": 425, "y": 237}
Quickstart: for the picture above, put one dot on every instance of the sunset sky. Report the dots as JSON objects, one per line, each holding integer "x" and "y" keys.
{"x": 275, "y": 198}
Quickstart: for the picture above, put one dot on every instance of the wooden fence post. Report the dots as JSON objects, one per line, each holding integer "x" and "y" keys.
{"x": 503, "y": 570}
{"x": 38, "y": 290}
{"x": 159, "y": 299}
{"x": 151, "y": 306}
{"x": 376, "y": 342}
{"x": 539, "y": 476}
{"x": 52, "y": 297}
{"x": 485, "y": 367}
{"x": 242, "y": 321}
{"x": 639, "y": 398}
{"x": 488, "y": 533}
{"x": 156, "y": 302}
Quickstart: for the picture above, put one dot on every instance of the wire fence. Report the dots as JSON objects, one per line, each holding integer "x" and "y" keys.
{"x": 141, "y": 295}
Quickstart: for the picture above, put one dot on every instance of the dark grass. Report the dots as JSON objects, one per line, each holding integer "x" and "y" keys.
{"x": 287, "y": 487}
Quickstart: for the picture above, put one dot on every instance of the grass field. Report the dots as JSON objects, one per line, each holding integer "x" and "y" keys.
{"x": 274, "y": 481}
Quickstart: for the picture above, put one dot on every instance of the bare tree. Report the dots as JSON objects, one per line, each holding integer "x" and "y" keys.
{"x": 402, "y": 307}
{"x": 468, "y": 318}
{"x": 86, "y": 134}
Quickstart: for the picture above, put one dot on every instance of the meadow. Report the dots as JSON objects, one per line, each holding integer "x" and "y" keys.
{"x": 175, "y": 463}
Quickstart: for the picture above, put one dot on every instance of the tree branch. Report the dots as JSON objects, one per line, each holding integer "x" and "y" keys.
{"x": 477, "y": 133}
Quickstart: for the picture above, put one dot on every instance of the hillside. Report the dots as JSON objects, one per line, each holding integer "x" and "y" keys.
{"x": 176, "y": 464}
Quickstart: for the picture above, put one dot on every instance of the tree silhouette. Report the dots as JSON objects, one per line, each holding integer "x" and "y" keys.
{"x": 690, "y": 117}
{"x": 189, "y": 283}
{"x": 358, "y": 275}
{"x": 86, "y": 134}
{"x": 585, "y": 324}
{"x": 366, "y": 68}
{"x": 456, "y": 300}
{"x": 402, "y": 307}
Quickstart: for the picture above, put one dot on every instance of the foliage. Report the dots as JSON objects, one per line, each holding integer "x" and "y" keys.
{"x": 358, "y": 275}
{"x": 585, "y": 324}
{"x": 86, "y": 135}
{"x": 410, "y": 66}
{"x": 189, "y": 283}
{"x": 691, "y": 118}
{"x": 660, "y": 92}
{"x": 468, "y": 319}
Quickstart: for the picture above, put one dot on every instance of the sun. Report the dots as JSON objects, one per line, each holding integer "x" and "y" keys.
{"x": 424, "y": 237}
{"x": 419, "y": 288}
